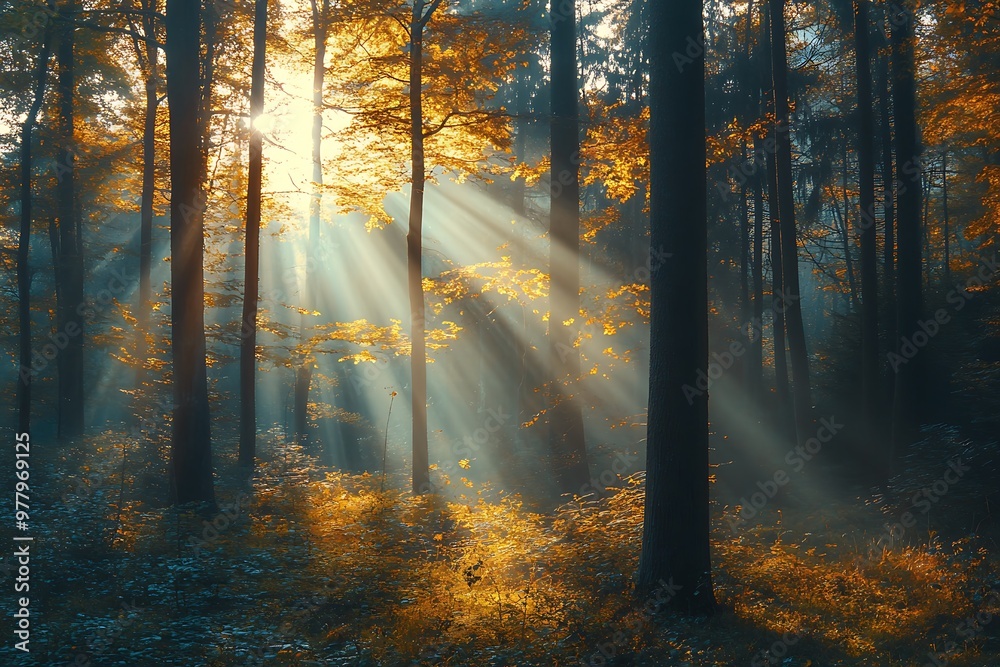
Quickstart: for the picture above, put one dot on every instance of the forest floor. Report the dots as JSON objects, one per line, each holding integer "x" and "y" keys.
{"x": 307, "y": 567}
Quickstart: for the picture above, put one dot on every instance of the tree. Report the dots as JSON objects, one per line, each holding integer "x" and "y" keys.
{"x": 148, "y": 56}
{"x": 25, "y": 371}
{"x": 783, "y": 412}
{"x": 786, "y": 215}
{"x": 191, "y": 447}
{"x": 442, "y": 125}
{"x": 414, "y": 250}
{"x": 566, "y": 432}
{"x": 871, "y": 390}
{"x": 251, "y": 279}
{"x": 303, "y": 374}
{"x": 909, "y": 375}
{"x": 675, "y": 533}
{"x": 69, "y": 250}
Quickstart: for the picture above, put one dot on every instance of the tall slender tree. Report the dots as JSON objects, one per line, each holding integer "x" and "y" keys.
{"x": 147, "y": 53}
{"x": 783, "y": 413}
{"x": 909, "y": 299}
{"x": 303, "y": 374}
{"x": 566, "y": 431}
{"x": 414, "y": 249}
{"x": 69, "y": 255}
{"x": 871, "y": 390}
{"x": 786, "y": 214}
{"x": 675, "y": 534}
{"x": 251, "y": 275}
{"x": 191, "y": 447}
{"x": 888, "y": 197}
{"x": 26, "y": 371}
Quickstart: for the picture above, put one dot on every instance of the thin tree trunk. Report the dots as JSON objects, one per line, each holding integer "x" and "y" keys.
{"x": 191, "y": 449}
{"x": 414, "y": 252}
{"x": 871, "y": 392}
{"x": 744, "y": 244}
{"x": 784, "y": 408}
{"x": 888, "y": 211}
{"x": 947, "y": 231}
{"x": 248, "y": 340}
{"x": 845, "y": 242}
{"x": 520, "y": 144}
{"x": 303, "y": 374}
{"x": 150, "y": 54}
{"x": 907, "y": 399}
{"x": 566, "y": 431}
{"x": 756, "y": 352}
{"x": 675, "y": 535}
{"x": 26, "y": 370}
{"x": 927, "y": 182}
{"x": 786, "y": 214}
{"x": 70, "y": 269}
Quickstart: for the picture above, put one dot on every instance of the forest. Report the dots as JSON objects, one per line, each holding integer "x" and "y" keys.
{"x": 500, "y": 333}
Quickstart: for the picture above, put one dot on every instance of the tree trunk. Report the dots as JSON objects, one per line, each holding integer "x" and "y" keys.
{"x": 675, "y": 535}
{"x": 946, "y": 230}
{"x": 303, "y": 374}
{"x": 566, "y": 432}
{"x": 521, "y": 124}
{"x": 148, "y": 188}
{"x": 26, "y": 370}
{"x": 745, "y": 307}
{"x": 909, "y": 298}
{"x": 248, "y": 340}
{"x": 414, "y": 253}
{"x": 756, "y": 351}
{"x": 888, "y": 214}
{"x": 69, "y": 272}
{"x": 871, "y": 393}
{"x": 786, "y": 214}
{"x": 191, "y": 449}
{"x": 783, "y": 412}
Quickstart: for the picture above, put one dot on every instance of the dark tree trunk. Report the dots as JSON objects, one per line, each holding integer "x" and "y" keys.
{"x": 69, "y": 272}
{"x": 783, "y": 412}
{"x": 909, "y": 299}
{"x": 675, "y": 536}
{"x": 26, "y": 370}
{"x": 946, "y": 230}
{"x": 845, "y": 239}
{"x": 248, "y": 340}
{"x": 191, "y": 449}
{"x": 888, "y": 211}
{"x": 871, "y": 392}
{"x": 786, "y": 216}
{"x": 566, "y": 432}
{"x": 744, "y": 244}
{"x": 756, "y": 351}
